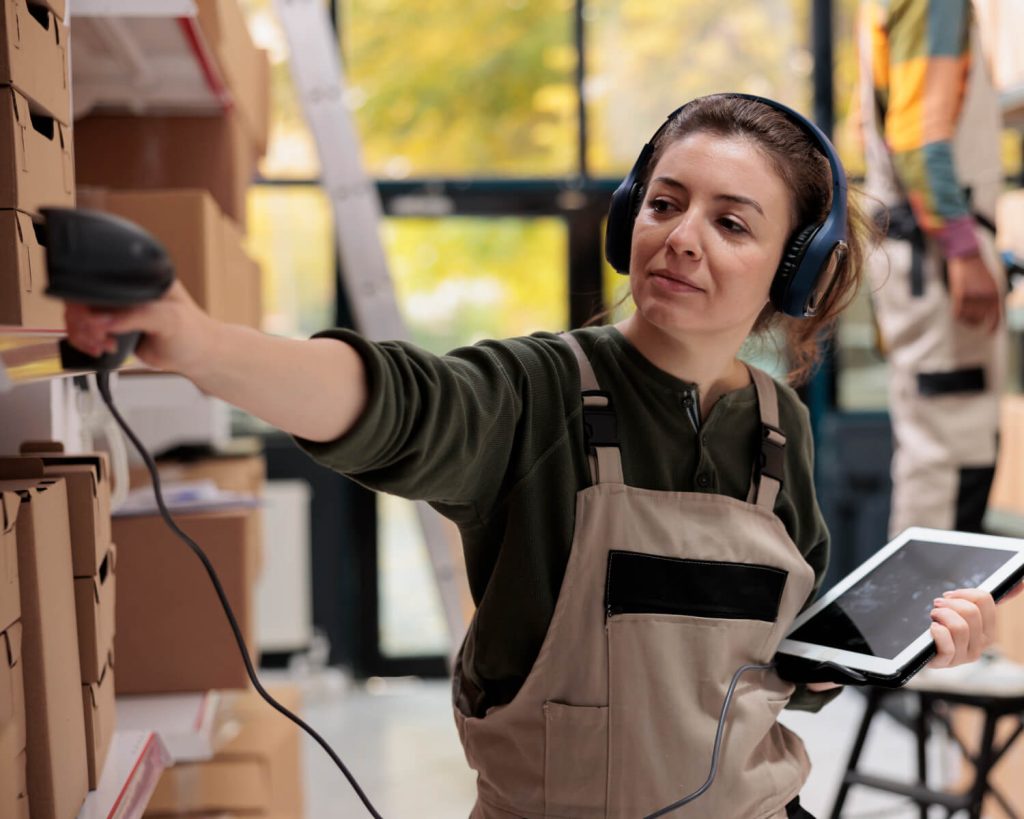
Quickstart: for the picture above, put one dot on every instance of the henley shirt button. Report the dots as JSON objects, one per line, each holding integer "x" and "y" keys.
{"x": 703, "y": 480}
{"x": 687, "y": 401}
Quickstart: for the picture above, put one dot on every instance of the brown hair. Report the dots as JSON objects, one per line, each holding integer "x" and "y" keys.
{"x": 800, "y": 164}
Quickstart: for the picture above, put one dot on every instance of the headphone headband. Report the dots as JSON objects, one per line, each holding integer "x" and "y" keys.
{"x": 805, "y": 273}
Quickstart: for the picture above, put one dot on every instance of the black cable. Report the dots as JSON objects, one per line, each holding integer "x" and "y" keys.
{"x": 718, "y": 743}
{"x": 103, "y": 381}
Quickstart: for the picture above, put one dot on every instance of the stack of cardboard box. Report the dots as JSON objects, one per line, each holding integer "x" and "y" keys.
{"x": 13, "y": 792}
{"x": 173, "y": 637}
{"x": 36, "y": 167}
{"x": 55, "y": 744}
{"x": 93, "y": 562}
{"x": 184, "y": 178}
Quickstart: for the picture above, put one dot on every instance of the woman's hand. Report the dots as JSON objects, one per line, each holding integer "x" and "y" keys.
{"x": 963, "y": 625}
{"x": 177, "y": 333}
{"x": 313, "y": 388}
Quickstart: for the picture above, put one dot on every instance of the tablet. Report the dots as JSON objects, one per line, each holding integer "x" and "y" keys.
{"x": 872, "y": 628}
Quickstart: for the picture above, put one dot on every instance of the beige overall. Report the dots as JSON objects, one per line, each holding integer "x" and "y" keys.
{"x": 945, "y": 377}
{"x": 617, "y": 717}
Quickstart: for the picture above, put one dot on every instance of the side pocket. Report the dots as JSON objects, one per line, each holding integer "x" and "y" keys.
{"x": 575, "y": 759}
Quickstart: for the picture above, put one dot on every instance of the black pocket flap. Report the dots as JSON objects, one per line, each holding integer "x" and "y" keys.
{"x": 650, "y": 584}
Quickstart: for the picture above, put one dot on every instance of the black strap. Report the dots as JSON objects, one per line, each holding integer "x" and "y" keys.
{"x": 795, "y": 811}
{"x": 599, "y": 426}
{"x": 773, "y": 452}
{"x": 898, "y": 222}
{"x": 966, "y": 380}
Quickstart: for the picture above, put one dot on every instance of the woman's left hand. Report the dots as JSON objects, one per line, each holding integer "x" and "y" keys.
{"x": 963, "y": 625}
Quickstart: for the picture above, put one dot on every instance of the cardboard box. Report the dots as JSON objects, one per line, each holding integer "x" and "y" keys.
{"x": 94, "y": 609}
{"x": 36, "y": 168}
{"x": 13, "y": 791}
{"x": 13, "y": 788}
{"x": 100, "y": 720}
{"x": 10, "y": 597}
{"x": 23, "y": 301}
{"x": 34, "y": 57}
{"x": 190, "y": 226}
{"x": 171, "y": 633}
{"x": 246, "y": 306}
{"x": 87, "y": 477}
{"x": 246, "y": 69}
{"x": 244, "y": 473}
{"x": 57, "y": 775}
{"x": 58, "y": 7}
{"x": 212, "y": 153}
{"x": 257, "y": 772}
{"x": 12, "y": 686}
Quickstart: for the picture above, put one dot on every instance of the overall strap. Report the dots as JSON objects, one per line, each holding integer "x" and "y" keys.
{"x": 599, "y": 427}
{"x": 766, "y": 479}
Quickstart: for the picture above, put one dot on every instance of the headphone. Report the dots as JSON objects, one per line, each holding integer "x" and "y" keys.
{"x": 811, "y": 257}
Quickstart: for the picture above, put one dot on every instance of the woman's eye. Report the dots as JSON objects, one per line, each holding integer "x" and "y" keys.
{"x": 660, "y": 205}
{"x": 733, "y": 226}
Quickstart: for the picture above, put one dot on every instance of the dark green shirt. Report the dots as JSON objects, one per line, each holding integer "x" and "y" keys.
{"x": 491, "y": 435}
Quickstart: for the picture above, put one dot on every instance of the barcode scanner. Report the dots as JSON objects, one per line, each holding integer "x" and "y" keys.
{"x": 101, "y": 260}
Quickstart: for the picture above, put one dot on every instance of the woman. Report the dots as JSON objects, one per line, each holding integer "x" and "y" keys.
{"x": 626, "y": 547}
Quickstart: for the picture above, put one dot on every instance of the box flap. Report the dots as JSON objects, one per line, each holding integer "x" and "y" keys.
{"x": 36, "y": 63}
{"x": 12, "y": 644}
{"x": 24, "y": 488}
{"x": 95, "y": 688}
{"x": 10, "y": 670}
{"x": 21, "y": 468}
{"x": 30, "y": 447}
{"x": 10, "y": 503}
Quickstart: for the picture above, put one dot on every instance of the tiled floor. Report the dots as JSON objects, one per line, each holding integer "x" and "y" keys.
{"x": 399, "y": 741}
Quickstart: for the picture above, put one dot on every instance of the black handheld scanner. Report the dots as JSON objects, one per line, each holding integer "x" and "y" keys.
{"x": 102, "y": 260}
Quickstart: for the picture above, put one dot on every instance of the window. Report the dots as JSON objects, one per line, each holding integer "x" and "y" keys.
{"x": 450, "y": 88}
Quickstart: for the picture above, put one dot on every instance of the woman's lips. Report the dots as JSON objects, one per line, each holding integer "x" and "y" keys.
{"x": 674, "y": 284}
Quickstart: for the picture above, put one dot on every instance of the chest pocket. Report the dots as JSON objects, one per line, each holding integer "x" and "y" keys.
{"x": 651, "y": 584}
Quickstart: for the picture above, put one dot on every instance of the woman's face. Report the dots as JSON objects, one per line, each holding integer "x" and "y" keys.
{"x": 709, "y": 236}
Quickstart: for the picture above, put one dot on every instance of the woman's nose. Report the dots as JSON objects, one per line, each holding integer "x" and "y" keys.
{"x": 685, "y": 237}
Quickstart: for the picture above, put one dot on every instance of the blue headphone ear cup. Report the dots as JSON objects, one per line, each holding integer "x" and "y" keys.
{"x": 791, "y": 270}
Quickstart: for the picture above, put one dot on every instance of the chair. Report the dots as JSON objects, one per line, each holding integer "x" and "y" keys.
{"x": 992, "y": 685}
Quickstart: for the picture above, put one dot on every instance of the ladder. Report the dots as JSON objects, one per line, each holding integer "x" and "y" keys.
{"x": 319, "y": 81}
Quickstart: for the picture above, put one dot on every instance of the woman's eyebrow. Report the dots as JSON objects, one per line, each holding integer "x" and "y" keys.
{"x": 729, "y": 197}
{"x": 743, "y": 200}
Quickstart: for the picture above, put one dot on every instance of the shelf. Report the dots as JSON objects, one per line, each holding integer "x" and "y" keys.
{"x": 143, "y": 58}
{"x": 133, "y": 767}
{"x": 183, "y": 721}
{"x": 34, "y": 355}
{"x": 133, "y": 8}
{"x": 28, "y": 355}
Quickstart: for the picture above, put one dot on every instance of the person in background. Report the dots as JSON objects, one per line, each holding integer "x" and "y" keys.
{"x": 930, "y": 123}
{"x": 636, "y": 504}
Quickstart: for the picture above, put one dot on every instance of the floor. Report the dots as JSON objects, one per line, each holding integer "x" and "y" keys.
{"x": 399, "y": 741}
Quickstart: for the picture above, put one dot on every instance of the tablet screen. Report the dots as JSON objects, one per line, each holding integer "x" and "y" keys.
{"x": 887, "y": 609}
